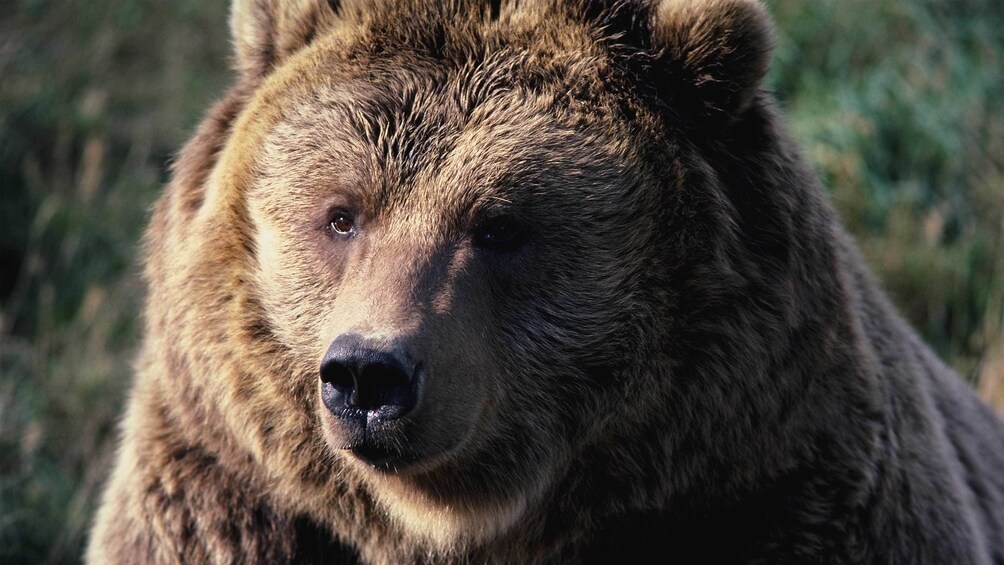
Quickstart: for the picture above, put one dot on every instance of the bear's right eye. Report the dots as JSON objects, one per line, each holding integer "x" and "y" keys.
{"x": 503, "y": 233}
{"x": 342, "y": 223}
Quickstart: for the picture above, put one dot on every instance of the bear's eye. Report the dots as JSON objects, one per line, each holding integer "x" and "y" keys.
{"x": 342, "y": 223}
{"x": 500, "y": 233}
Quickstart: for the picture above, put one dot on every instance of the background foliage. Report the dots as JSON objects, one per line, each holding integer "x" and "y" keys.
{"x": 897, "y": 103}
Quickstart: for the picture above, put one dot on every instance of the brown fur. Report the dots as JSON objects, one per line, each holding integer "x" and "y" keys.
{"x": 685, "y": 355}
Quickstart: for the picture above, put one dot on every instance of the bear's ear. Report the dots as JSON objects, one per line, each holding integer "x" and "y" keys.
{"x": 711, "y": 55}
{"x": 267, "y": 31}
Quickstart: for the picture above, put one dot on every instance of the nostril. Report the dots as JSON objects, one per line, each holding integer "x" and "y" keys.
{"x": 384, "y": 385}
{"x": 338, "y": 376}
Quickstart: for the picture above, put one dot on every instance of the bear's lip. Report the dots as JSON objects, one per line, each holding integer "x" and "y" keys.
{"x": 383, "y": 459}
{"x": 362, "y": 437}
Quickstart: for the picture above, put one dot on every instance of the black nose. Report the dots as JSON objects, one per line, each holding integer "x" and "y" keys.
{"x": 359, "y": 376}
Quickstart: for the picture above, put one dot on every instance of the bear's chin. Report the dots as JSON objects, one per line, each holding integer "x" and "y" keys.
{"x": 444, "y": 525}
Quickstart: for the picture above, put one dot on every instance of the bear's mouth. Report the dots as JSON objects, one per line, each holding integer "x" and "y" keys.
{"x": 382, "y": 458}
{"x": 363, "y": 435}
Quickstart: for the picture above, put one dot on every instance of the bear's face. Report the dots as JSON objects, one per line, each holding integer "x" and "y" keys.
{"x": 461, "y": 256}
{"x": 455, "y": 239}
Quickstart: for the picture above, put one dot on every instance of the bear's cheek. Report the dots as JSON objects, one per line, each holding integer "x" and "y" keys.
{"x": 563, "y": 332}
{"x": 295, "y": 288}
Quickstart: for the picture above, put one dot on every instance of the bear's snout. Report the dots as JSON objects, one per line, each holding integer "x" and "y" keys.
{"x": 369, "y": 380}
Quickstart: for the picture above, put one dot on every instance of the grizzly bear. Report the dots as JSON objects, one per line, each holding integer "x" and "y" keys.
{"x": 526, "y": 281}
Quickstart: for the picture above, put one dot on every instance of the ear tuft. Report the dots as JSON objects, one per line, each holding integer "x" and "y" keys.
{"x": 713, "y": 54}
{"x": 267, "y": 31}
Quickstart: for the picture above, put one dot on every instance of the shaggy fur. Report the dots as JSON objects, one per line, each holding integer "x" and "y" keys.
{"x": 682, "y": 354}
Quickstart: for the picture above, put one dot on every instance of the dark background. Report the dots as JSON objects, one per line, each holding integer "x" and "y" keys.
{"x": 898, "y": 104}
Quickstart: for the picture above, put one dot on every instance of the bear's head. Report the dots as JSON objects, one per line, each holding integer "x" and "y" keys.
{"x": 460, "y": 248}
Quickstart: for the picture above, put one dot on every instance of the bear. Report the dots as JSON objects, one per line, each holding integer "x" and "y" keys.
{"x": 519, "y": 282}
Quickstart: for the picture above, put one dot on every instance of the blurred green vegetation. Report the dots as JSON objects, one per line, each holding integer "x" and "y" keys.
{"x": 95, "y": 98}
{"x": 897, "y": 104}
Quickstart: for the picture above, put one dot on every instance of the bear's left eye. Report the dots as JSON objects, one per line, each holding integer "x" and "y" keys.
{"x": 342, "y": 223}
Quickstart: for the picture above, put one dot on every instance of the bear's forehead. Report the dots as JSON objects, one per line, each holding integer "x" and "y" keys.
{"x": 414, "y": 135}
{"x": 471, "y": 108}
{"x": 541, "y": 48}
{"x": 469, "y": 131}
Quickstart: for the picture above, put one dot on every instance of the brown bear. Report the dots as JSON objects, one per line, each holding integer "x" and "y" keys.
{"x": 526, "y": 281}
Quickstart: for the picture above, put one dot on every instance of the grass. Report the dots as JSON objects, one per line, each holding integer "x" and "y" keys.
{"x": 896, "y": 103}
{"x": 95, "y": 98}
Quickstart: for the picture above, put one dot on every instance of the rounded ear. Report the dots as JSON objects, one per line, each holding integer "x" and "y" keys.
{"x": 267, "y": 31}
{"x": 711, "y": 55}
